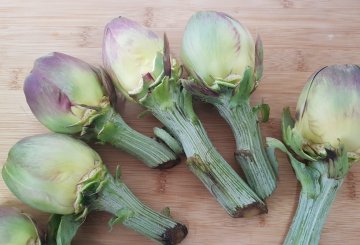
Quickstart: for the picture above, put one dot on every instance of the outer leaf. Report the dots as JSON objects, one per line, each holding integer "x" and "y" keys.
{"x": 339, "y": 164}
{"x": 291, "y": 137}
{"x": 264, "y": 110}
{"x": 63, "y": 228}
{"x": 160, "y": 95}
{"x": 121, "y": 216}
{"x": 244, "y": 89}
{"x": 259, "y": 58}
{"x": 166, "y": 57}
{"x": 308, "y": 176}
{"x": 272, "y": 145}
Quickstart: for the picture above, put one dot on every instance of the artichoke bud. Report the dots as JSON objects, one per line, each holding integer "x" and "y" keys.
{"x": 17, "y": 228}
{"x": 64, "y": 93}
{"x": 328, "y": 111}
{"x": 53, "y": 173}
{"x": 217, "y": 50}
{"x": 132, "y": 55}
{"x": 136, "y": 58}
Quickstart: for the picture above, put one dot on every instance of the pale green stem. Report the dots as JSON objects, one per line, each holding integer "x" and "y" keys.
{"x": 311, "y": 214}
{"x": 111, "y": 128}
{"x": 116, "y": 198}
{"x": 250, "y": 152}
{"x": 209, "y": 166}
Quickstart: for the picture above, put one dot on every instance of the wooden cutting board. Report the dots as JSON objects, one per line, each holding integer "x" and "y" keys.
{"x": 299, "y": 37}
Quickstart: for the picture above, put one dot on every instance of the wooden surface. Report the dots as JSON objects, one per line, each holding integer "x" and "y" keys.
{"x": 299, "y": 37}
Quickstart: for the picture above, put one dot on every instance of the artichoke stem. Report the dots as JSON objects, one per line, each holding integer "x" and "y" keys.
{"x": 116, "y": 198}
{"x": 250, "y": 152}
{"x": 313, "y": 209}
{"x": 111, "y": 128}
{"x": 237, "y": 198}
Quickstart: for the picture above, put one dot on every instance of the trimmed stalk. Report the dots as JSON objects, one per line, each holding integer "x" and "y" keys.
{"x": 111, "y": 128}
{"x": 320, "y": 181}
{"x": 226, "y": 65}
{"x": 250, "y": 152}
{"x": 117, "y": 199}
{"x": 312, "y": 211}
{"x": 173, "y": 107}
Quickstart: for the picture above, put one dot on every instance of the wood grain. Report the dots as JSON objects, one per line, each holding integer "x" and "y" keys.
{"x": 299, "y": 37}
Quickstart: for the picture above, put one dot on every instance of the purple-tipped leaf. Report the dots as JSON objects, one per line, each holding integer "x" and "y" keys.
{"x": 328, "y": 109}
{"x": 56, "y": 86}
{"x": 130, "y": 53}
{"x": 259, "y": 58}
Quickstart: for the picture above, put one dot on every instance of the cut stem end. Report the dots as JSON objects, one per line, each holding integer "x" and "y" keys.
{"x": 175, "y": 235}
{"x": 168, "y": 164}
{"x": 251, "y": 210}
